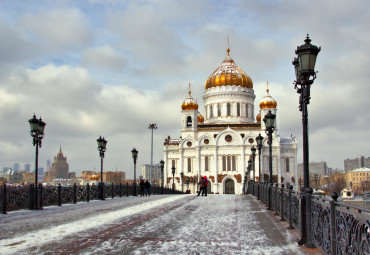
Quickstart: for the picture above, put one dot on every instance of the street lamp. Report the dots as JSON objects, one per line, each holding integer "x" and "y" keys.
{"x": 253, "y": 150}
{"x": 152, "y": 126}
{"x": 134, "y": 152}
{"x": 102, "y": 143}
{"x": 317, "y": 178}
{"x": 269, "y": 121}
{"x": 259, "y": 140}
{"x": 304, "y": 65}
{"x": 162, "y": 166}
{"x": 182, "y": 182}
{"x": 250, "y": 167}
{"x": 37, "y": 132}
{"x": 173, "y": 178}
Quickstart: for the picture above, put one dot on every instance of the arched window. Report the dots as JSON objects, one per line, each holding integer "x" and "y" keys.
{"x": 246, "y": 110}
{"x": 223, "y": 163}
{"x": 173, "y": 163}
{"x": 228, "y": 163}
{"x": 287, "y": 165}
{"x": 219, "y": 110}
{"x": 189, "y": 122}
{"x": 228, "y": 109}
{"x": 238, "y": 109}
{"x": 189, "y": 164}
{"x": 233, "y": 163}
{"x": 206, "y": 163}
{"x": 211, "y": 111}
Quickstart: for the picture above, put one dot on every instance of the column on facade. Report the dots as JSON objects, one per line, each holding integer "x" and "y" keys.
{"x": 216, "y": 167}
{"x": 199, "y": 161}
{"x": 166, "y": 169}
{"x": 278, "y": 161}
{"x": 181, "y": 166}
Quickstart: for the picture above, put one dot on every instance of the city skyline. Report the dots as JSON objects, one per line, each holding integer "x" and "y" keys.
{"x": 111, "y": 68}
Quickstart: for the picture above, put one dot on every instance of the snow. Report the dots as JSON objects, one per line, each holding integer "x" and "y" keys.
{"x": 171, "y": 224}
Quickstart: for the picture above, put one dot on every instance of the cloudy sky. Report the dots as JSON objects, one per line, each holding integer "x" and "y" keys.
{"x": 110, "y": 68}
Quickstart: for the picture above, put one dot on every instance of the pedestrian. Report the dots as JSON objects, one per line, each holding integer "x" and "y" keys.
{"x": 141, "y": 187}
{"x": 201, "y": 186}
{"x": 147, "y": 188}
{"x": 205, "y": 186}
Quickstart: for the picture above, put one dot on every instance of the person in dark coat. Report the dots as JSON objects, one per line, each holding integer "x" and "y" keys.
{"x": 147, "y": 188}
{"x": 201, "y": 186}
{"x": 141, "y": 187}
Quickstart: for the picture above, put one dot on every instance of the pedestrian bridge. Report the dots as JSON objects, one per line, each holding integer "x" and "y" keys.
{"x": 160, "y": 224}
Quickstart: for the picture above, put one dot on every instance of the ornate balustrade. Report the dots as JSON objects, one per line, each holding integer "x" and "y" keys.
{"x": 17, "y": 198}
{"x": 336, "y": 228}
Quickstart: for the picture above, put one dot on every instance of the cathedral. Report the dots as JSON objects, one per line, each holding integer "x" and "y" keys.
{"x": 218, "y": 144}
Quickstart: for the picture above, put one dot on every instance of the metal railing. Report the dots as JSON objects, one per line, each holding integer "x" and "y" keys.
{"x": 22, "y": 197}
{"x": 336, "y": 228}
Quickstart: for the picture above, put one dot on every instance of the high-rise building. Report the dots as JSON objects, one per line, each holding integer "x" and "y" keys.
{"x": 27, "y": 168}
{"x": 16, "y": 167}
{"x": 48, "y": 166}
{"x": 60, "y": 168}
{"x": 40, "y": 174}
{"x": 156, "y": 173}
{"x": 319, "y": 168}
{"x": 350, "y": 164}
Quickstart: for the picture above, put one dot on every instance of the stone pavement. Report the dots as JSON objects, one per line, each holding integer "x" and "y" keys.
{"x": 169, "y": 224}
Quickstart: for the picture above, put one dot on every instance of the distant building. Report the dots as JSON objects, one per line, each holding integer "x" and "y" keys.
{"x": 48, "y": 166}
{"x": 27, "y": 168}
{"x": 16, "y": 167}
{"x": 12, "y": 176}
{"x": 358, "y": 179}
{"x": 40, "y": 174}
{"x": 156, "y": 173}
{"x": 351, "y": 164}
{"x": 113, "y": 177}
{"x": 72, "y": 175}
{"x": 319, "y": 168}
{"x": 28, "y": 178}
{"x": 59, "y": 169}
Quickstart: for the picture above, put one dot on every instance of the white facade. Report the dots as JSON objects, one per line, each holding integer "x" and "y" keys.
{"x": 219, "y": 146}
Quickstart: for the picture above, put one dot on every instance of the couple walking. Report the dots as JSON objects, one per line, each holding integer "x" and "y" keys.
{"x": 203, "y": 184}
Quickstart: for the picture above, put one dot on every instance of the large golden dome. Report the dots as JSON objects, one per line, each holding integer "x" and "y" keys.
{"x": 189, "y": 104}
{"x": 229, "y": 74}
{"x": 268, "y": 101}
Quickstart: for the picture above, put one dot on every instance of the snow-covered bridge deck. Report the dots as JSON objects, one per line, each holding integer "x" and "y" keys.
{"x": 169, "y": 224}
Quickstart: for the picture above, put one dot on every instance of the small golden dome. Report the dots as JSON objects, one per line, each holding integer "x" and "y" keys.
{"x": 258, "y": 117}
{"x": 189, "y": 104}
{"x": 200, "y": 118}
{"x": 94, "y": 177}
{"x": 268, "y": 101}
{"x": 228, "y": 74}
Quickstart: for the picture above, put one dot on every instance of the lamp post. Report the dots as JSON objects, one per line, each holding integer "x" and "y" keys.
{"x": 162, "y": 166}
{"x": 102, "y": 143}
{"x": 305, "y": 73}
{"x": 253, "y": 150}
{"x": 249, "y": 174}
{"x": 182, "y": 181}
{"x": 250, "y": 167}
{"x": 259, "y": 140}
{"x": 134, "y": 152}
{"x": 173, "y": 179}
{"x": 37, "y": 132}
{"x": 152, "y": 126}
{"x": 269, "y": 121}
{"x": 317, "y": 178}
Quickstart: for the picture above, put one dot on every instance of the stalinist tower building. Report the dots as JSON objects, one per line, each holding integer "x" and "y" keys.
{"x": 60, "y": 168}
{"x": 217, "y": 142}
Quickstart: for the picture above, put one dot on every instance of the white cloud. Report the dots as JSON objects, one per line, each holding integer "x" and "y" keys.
{"x": 58, "y": 29}
{"x": 103, "y": 57}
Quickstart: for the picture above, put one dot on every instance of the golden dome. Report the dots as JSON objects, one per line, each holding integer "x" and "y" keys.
{"x": 268, "y": 101}
{"x": 228, "y": 74}
{"x": 258, "y": 117}
{"x": 94, "y": 177}
{"x": 200, "y": 118}
{"x": 189, "y": 104}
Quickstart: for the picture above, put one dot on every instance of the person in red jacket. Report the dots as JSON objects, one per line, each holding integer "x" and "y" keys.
{"x": 205, "y": 186}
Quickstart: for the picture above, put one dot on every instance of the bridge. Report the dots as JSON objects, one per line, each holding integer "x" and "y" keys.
{"x": 183, "y": 224}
